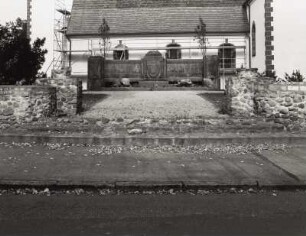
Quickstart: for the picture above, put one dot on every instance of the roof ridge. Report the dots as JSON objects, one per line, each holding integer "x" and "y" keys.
{"x": 121, "y": 4}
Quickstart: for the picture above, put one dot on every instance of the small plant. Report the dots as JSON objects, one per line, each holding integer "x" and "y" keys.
{"x": 295, "y": 77}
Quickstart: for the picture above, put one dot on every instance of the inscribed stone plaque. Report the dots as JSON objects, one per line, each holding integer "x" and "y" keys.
{"x": 153, "y": 65}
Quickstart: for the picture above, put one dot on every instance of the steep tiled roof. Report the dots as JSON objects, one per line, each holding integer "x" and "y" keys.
{"x": 157, "y": 16}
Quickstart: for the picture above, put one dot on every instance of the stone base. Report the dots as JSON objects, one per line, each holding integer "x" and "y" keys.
{"x": 151, "y": 84}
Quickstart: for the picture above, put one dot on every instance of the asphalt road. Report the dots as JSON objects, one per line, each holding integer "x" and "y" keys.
{"x": 267, "y": 213}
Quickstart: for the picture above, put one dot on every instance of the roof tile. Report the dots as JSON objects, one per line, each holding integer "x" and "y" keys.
{"x": 157, "y": 16}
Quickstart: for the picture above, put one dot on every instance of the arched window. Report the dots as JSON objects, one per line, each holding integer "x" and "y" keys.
{"x": 253, "y": 39}
{"x": 174, "y": 53}
{"x": 121, "y": 52}
{"x": 227, "y": 55}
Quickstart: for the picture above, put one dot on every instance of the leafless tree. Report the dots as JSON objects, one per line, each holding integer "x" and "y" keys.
{"x": 202, "y": 41}
{"x": 104, "y": 33}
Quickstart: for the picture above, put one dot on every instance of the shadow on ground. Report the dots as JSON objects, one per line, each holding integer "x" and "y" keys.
{"x": 90, "y": 100}
{"x": 219, "y": 100}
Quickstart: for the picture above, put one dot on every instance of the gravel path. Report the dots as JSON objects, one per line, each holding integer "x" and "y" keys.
{"x": 152, "y": 104}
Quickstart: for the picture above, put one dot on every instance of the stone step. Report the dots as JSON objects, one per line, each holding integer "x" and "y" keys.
{"x": 151, "y": 84}
{"x": 159, "y": 88}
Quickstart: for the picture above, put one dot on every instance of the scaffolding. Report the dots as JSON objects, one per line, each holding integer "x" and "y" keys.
{"x": 29, "y": 19}
{"x": 61, "y": 44}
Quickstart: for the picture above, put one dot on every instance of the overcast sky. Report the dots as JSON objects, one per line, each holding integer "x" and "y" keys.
{"x": 11, "y": 9}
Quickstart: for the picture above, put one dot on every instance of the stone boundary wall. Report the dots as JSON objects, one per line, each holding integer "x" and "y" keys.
{"x": 104, "y": 73}
{"x": 68, "y": 92}
{"x": 250, "y": 95}
{"x": 284, "y": 103}
{"x": 122, "y": 69}
{"x": 59, "y": 95}
{"x": 240, "y": 93}
{"x": 26, "y": 103}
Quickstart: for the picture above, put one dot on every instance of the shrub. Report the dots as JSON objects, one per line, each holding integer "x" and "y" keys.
{"x": 295, "y": 77}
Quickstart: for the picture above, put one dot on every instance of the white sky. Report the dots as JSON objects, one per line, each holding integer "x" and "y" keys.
{"x": 11, "y": 9}
{"x": 42, "y": 19}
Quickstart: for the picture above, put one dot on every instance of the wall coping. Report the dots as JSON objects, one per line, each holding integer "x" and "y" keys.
{"x": 25, "y": 86}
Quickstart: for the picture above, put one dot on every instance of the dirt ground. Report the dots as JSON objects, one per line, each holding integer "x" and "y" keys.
{"x": 149, "y": 104}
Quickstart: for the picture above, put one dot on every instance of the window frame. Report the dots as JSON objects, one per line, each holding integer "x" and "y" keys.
{"x": 253, "y": 41}
{"x": 225, "y": 61}
{"x": 177, "y": 52}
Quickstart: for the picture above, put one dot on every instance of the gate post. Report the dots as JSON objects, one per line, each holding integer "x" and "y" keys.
{"x": 95, "y": 72}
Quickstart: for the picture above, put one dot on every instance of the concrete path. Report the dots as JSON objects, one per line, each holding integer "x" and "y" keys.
{"x": 25, "y": 164}
{"x": 152, "y": 104}
{"x": 293, "y": 162}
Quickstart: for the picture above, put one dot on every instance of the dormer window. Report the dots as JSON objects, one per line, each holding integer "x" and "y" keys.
{"x": 121, "y": 52}
{"x": 174, "y": 51}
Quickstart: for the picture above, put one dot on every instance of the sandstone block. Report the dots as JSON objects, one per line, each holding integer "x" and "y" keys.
{"x": 279, "y": 121}
{"x": 285, "y": 116}
{"x": 135, "y": 131}
{"x": 297, "y": 99}
{"x": 293, "y": 109}
{"x": 8, "y": 112}
{"x": 288, "y": 100}
{"x": 243, "y": 100}
{"x": 272, "y": 103}
{"x": 207, "y": 83}
{"x": 283, "y": 110}
{"x": 125, "y": 82}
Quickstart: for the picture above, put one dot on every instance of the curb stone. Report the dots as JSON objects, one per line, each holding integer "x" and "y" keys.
{"x": 145, "y": 140}
{"x": 142, "y": 185}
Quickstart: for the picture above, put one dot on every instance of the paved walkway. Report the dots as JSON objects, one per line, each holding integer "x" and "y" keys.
{"x": 152, "y": 104}
{"x": 91, "y": 165}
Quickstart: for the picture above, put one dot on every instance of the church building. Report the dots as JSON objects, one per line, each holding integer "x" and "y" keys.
{"x": 239, "y": 34}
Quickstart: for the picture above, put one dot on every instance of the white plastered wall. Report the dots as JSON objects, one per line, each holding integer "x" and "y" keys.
{"x": 257, "y": 15}
{"x": 79, "y": 59}
{"x": 289, "y": 36}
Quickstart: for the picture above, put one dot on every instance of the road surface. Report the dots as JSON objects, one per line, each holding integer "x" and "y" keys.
{"x": 269, "y": 213}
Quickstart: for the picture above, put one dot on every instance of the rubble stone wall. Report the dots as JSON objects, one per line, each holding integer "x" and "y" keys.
{"x": 68, "y": 92}
{"x": 26, "y": 103}
{"x": 284, "y": 103}
{"x": 240, "y": 93}
{"x": 250, "y": 95}
{"x": 57, "y": 95}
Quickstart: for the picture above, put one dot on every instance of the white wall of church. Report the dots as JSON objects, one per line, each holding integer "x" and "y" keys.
{"x": 79, "y": 59}
{"x": 289, "y": 36}
{"x": 257, "y": 15}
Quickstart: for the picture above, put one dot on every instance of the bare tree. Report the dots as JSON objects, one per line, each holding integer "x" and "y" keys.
{"x": 202, "y": 40}
{"x": 104, "y": 33}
